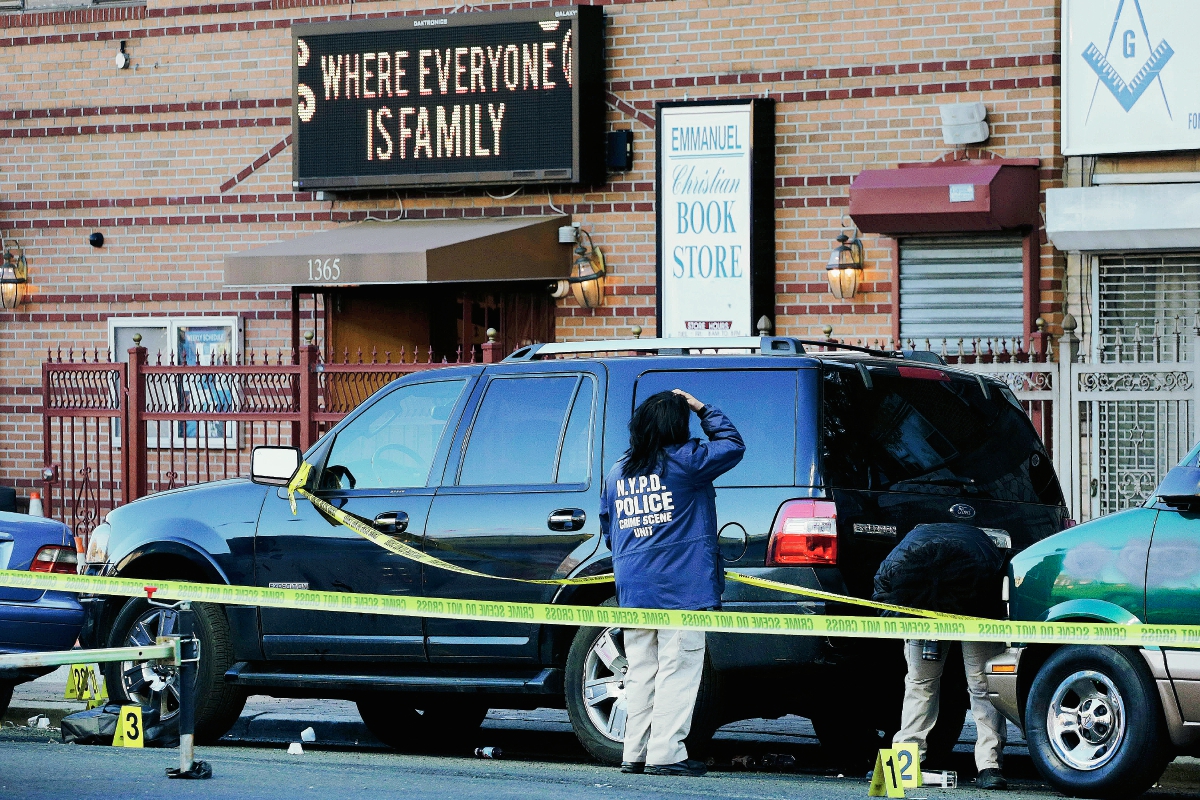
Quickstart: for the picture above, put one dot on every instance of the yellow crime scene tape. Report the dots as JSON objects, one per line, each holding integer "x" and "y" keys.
{"x": 925, "y": 625}
{"x": 1183, "y": 636}
{"x": 392, "y": 545}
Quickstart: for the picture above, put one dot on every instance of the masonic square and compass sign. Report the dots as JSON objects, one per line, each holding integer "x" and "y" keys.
{"x": 1125, "y": 86}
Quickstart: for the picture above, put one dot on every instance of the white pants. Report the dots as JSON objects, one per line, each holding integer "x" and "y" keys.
{"x": 660, "y": 689}
{"x": 922, "y": 691}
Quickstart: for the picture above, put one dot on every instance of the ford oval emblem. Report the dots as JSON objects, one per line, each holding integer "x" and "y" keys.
{"x": 962, "y": 511}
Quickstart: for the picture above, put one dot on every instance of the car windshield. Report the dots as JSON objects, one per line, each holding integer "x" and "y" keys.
{"x": 1190, "y": 459}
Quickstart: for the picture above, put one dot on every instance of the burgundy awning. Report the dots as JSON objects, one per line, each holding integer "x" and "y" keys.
{"x": 944, "y": 198}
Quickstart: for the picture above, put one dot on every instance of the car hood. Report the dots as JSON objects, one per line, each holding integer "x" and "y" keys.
{"x": 205, "y": 517}
{"x": 1092, "y": 571}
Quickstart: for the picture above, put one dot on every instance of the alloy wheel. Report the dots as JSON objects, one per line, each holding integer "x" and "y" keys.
{"x": 604, "y": 670}
{"x": 146, "y": 683}
{"x": 1086, "y": 720}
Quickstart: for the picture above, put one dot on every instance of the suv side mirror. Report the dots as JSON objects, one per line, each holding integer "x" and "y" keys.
{"x": 1180, "y": 488}
{"x": 274, "y": 466}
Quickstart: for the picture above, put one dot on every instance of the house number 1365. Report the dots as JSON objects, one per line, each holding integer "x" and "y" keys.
{"x": 326, "y": 269}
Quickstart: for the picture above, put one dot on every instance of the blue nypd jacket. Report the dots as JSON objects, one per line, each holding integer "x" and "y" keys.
{"x": 662, "y": 527}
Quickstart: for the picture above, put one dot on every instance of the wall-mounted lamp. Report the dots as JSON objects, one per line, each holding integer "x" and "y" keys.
{"x": 845, "y": 267}
{"x": 14, "y": 274}
{"x": 122, "y": 59}
{"x": 587, "y": 282}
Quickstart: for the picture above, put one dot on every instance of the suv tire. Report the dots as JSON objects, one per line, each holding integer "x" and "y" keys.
{"x": 6, "y": 691}
{"x": 218, "y": 704}
{"x": 1110, "y": 697}
{"x": 587, "y": 663}
{"x": 407, "y": 722}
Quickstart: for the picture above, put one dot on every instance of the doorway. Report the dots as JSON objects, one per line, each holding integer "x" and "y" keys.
{"x": 437, "y": 321}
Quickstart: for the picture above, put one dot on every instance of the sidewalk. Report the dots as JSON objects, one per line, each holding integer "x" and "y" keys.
{"x": 271, "y": 720}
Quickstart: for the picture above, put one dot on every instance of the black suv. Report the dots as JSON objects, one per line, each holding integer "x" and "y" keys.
{"x": 498, "y": 468}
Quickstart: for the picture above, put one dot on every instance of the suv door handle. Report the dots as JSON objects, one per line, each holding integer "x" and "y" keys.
{"x": 392, "y": 522}
{"x": 566, "y": 519}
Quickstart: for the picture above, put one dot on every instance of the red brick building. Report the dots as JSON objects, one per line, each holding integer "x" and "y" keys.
{"x": 184, "y": 158}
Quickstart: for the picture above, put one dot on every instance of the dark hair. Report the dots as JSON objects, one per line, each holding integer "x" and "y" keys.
{"x": 660, "y": 420}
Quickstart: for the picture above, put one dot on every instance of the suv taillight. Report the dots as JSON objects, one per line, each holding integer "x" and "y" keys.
{"x": 804, "y": 533}
{"x": 55, "y": 558}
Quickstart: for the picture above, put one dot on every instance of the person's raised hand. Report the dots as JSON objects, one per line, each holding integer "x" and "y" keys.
{"x": 692, "y": 402}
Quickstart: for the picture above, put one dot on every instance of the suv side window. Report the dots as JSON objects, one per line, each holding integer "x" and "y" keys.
{"x": 392, "y": 443}
{"x": 531, "y": 430}
{"x": 762, "y": 406}
{"x": 939, "y": 436}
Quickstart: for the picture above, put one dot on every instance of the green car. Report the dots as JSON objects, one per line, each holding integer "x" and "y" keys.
{"x": 1105, "y": 721}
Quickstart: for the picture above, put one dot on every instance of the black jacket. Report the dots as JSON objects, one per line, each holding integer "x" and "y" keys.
{"x": 948, "y": 567}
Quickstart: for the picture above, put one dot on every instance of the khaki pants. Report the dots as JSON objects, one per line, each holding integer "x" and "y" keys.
{"x": 660, "y": 689}
{"x": 922, "y": 690}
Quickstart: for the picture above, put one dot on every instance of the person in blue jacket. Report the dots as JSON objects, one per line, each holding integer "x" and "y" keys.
{"x": 659, "y": 518}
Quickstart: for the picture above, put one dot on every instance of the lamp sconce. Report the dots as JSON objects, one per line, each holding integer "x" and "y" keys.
{"x": 14, "y": 273}
{"x": 586, "y": 283}
{"x": 845, "y": 266}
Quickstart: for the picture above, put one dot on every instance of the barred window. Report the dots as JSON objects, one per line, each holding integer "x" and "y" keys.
{"x": 1147, "y": 305}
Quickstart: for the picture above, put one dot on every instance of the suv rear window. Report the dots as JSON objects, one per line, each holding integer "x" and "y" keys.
{"x": 935, "y": 434}
{"x": 762, "y": 406}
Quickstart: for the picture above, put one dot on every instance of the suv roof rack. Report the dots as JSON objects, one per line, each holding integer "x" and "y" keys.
{"x": 777, "y": 345}
{"x": 765, "y": 345}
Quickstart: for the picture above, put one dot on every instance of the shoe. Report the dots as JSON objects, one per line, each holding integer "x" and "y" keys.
{"x": 633, "y": 767}
{"x": 990, "y": 779}
{"x": 690, "y": 767}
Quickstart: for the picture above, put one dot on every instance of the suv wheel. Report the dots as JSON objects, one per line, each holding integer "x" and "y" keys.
{"x": 218, "y": 704}
{"x": 408, "y": 722}
{"x": 1094, "y": 725}
{"x": 596, "y": 703}
{"x": 6, "y": 690}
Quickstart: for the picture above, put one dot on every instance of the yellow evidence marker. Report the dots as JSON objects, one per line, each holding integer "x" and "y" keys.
{"x": 82, "y": 683}
{"x": 129, "y": 727}
{"x": 99, "y": 698}
{"x": 885, "y": 778}
{"x": 908, "y": 764}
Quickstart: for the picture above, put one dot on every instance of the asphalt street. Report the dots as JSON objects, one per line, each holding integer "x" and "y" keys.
{"x": 36, "y": 768}
{"x": 541, "y": 759}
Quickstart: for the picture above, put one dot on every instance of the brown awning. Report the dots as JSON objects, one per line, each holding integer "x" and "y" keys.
{"x": 409, "y": 251}
{"x": 941, "y": 198}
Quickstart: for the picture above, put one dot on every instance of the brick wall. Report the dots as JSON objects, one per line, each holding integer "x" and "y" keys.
{"x": 185, "y": 156}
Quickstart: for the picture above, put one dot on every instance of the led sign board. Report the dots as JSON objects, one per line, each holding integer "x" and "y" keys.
{"x": 498, "y": 97}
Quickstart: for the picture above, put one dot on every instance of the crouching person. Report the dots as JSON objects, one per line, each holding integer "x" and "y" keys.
{"x": 954, "y": 569}
{"x": 658, "y": 516}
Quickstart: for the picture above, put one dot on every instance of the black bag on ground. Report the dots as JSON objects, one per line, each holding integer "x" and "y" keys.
{"x": 99, "y": 726}
{"x": 948, "y": 567}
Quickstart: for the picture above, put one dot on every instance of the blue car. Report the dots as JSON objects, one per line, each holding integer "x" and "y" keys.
{"x": 33, "y": 620}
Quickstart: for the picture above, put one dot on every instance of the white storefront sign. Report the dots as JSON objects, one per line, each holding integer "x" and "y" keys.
{"x": 705, "y": 173}
{"x": 1130, "y": 72}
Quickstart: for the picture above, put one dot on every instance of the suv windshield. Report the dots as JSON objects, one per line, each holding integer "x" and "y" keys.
{"x": 930, "y": 431}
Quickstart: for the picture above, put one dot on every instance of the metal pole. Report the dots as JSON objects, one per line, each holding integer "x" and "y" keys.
{"x": 189, "y": 659}
{"x": 187, "y": 688}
